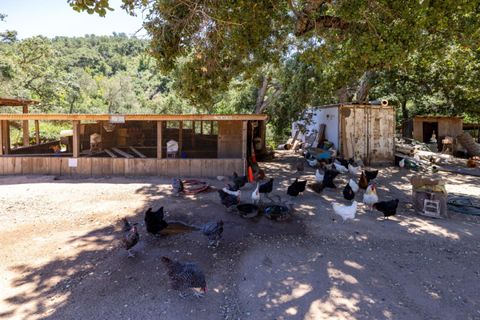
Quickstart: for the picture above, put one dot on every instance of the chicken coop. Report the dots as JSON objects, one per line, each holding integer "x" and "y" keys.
{"x": 362, "y": 131}
{"x": 142, "y": 145}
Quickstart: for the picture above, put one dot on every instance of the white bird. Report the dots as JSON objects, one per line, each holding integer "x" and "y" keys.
{"x": 346, "y": 212}
{"x": 370, "y": 196}
{"x": 318, "y": 176}
{"x": 353, "y": 170}
{"x": 312, "y": 163}
{"x": 353, "y": 185}
{"x": 340, "y": 168}
{"x": 256, "y": 195}
{"x": 401, "y": 163}
{"x": 232, "y": 193}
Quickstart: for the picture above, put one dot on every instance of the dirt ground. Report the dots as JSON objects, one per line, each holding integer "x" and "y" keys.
{"x": 60, "y": 256}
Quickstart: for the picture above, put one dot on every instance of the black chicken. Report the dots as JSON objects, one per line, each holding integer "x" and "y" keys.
{"x": 296, "y": 187}
{"x": 239, "y": 181}
{"x": 348, "y": 193}
{"x": 371, "y": 175}
{"x": 266, "y": 187}
{"x": 317, "y": 186}
{"x": 184, "y": 276}
{"x": 213, "y": 231}
{"x": 154, "y": 221}
{"x": 328, "y": 178}
{"x": 130, "y": 236}
{"x": 228, "y": 200}
{"x": 388, "y": 208}
{"x": 343, "y": 162}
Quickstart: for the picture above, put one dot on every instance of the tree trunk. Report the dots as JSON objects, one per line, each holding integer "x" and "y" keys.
{"x": 405, "y": 117}
{"x": 342, "y": 94}
{"x": 261, "y": 95}
{"x": 364, "y": 87}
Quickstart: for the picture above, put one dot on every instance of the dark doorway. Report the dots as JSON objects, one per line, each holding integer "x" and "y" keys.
{"x": 428, "y": 129}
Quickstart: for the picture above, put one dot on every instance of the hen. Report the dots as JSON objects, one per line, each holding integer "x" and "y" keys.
{"x": 317, "y": 186}
{"x": 300, "y": 165}
{"x": 228, "y": 200}
{"x": 184, "y": 276}
{"x": 348, "y": 193}
{"x": 130, "y": 236}
{"x": 363, "y": 182}
{"x": 177, "y": 185}
{"x": 353, "y": 185}
{"x": 267, "y": 187}
{"x": 296, "y": 188}
{"x": 319, "y": 176}
{"x": 346, "y": 212}
{"x": 239, "y": 181}
{"x": 370, "y": 196}
{"x": 371, "y": 175}
{"x": 388, "y": 208}
{"x": 339, "y": 167}
{"x": 213, "y": 231}
{"x": 328, "y": 178}
{"x": 256, "y": 195}
{"x": 312, "y": 163}
{"x": 154, "y": 221}
{"x": 353, "y": 170}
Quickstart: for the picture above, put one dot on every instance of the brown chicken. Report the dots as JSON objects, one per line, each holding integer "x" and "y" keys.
{"x": 363, "y": 182}
{"x": 185, "y": 276}
{"x": 130, "y": 236}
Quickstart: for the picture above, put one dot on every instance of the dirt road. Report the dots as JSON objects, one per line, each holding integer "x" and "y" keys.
{"x": 60, "y": 256}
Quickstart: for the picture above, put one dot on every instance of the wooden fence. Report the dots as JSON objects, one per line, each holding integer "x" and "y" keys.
{"x": 201, "y": 168}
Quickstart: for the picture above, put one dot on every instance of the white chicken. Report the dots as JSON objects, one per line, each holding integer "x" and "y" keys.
{"x": 346, "y": 212}
{"x": 353, "y": 170}
{"x": 312, "y": 163}
{"x": 318, "y": 176}
{"x": 256, "y": 195}
{"x": 353, "y": 185}
{"x": 339, "y": 167}
{"x": 232, "y": 193}
{"x": 370, "y": 196}
{"x": 401, "y": 163}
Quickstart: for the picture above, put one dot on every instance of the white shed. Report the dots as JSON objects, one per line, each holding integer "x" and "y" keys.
{"x": 362, "y": 131}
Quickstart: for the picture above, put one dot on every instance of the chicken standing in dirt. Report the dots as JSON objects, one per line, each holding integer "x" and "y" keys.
{"x": 213, "y": 231}
{"x": 184, "y": 276}
{"x": 130, "y": 236}
{"x": 154, "y": 221}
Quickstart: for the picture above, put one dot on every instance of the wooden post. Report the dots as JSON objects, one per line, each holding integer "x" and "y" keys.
{"x": 180, "y": 138}
{"x": 1, "y": 137}
{"x": 244, "y": 145}
{"x": 193, "y": 134}
{"x": 6, "y": 136}
{"x": 76, "y": 138}
{"x": 159, "y": 139}
{"x": 211, "y": 127}
{"x": 37, "y": 132}
{"x": 26, "y": 133}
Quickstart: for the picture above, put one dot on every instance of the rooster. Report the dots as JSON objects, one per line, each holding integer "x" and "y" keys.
{"x": 154, "y": 221}
{"x": 388, "y": 208}
{"x": 213, "y": 231}
{"x": 346, "y": 212}
{"x": 130, "y": 236}
{"x": 370, "y": 196}
{"x": 256, "y": 195}
{"x": 184, "y": 276}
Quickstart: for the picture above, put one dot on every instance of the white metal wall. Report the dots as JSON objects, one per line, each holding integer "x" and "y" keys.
{"x": 318, "y": 116}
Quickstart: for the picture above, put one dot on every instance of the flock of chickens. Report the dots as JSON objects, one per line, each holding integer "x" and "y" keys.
{"x": 185, "y": 276}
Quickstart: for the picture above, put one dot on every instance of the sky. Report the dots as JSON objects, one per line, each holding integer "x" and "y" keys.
{"x": 52, "y": 18}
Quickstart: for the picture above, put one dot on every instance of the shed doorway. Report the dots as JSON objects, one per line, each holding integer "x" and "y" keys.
{"x": 428, "y": 129}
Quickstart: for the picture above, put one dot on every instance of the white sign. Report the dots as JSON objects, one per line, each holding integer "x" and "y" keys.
{"x": 72, "y": 162}
{"x": 117, "y": 119}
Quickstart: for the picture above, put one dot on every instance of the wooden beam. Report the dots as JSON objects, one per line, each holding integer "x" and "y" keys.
{"x": 25, "y": 129}
{"x": 37, "y": 132}
{"x": 138, "y": 153}
{"x": 132, "y": 117}
{"x": 122, "y": 153}
{"x": 180, "y": 139}
{"x": 159, "y": 139}
{"x": 110, "y": 153}
{"x": 76, "y": 138}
